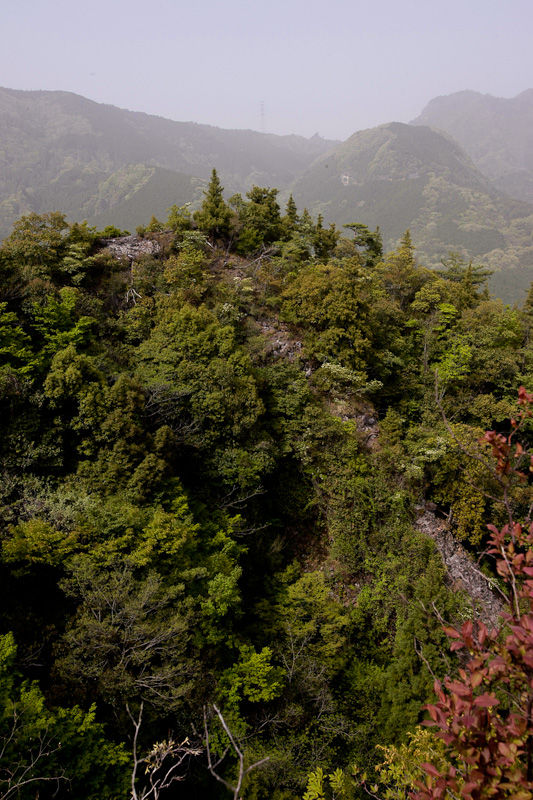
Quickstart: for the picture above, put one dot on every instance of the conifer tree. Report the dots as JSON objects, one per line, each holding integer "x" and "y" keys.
{"x": 154, "y": 226}
{"x": 324, "y": 239}
{"x": 291, "y": 219}
{"x": 370, "y": 242}
{"x": 456, "y": 268}
{"x": 291, "y": 211}
{"x": 214, "y": 217}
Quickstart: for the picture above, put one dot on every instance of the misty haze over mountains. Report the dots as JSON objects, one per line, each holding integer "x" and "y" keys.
{"x": 496, "y": 132}
{"x": 460, "y": 176}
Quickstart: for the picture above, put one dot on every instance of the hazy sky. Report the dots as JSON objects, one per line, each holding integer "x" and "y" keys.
{"x": 326, "y": 66}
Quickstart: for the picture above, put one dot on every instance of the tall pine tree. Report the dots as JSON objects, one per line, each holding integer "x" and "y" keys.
{"x": 214, "y": 216}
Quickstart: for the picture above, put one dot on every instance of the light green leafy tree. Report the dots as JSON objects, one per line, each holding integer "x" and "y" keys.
{"x": 16, "y": 351}
{"x": 332, "y": 302}
{"x": 195, "y": 359}
{"x": 131, "y": 636}
{"x": 57, "y": 323}
{"x": 252, "y": 678}
{"x": 37, "y": 243}
{"x": 321, "y": 786}
{"x": 179, "y": 218}
{"x": 62, "y": 748}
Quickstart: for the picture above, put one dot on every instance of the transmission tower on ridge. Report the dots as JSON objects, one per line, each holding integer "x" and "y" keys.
{"x": 262, "y": 117}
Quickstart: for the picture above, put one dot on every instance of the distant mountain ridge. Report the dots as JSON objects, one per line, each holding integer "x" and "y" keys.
{"x": 60, "y": 150}
{"x": 442, "y": 180}
{"x": 404, "y": 177}
{"x": 400, "y": 176}
{"x": 496, "y": 132}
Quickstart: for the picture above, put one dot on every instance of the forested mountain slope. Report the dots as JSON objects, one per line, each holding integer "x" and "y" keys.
{"x": 400, "y": 176}
{"x": 90, "y": 161}
{"x": 496, "y": 132}
{"x": 197, "y": 512}
{"x": 60, "y": 151}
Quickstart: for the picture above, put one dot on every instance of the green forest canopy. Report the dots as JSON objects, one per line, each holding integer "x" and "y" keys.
{"x": 196, "y": 510}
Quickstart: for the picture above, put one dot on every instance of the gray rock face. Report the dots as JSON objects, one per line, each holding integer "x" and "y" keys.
{"x": 367, "y": 424}
{"x": 131, "y": 247}
{"x": 463, "y": 573}
{"x": 281, "y": 342}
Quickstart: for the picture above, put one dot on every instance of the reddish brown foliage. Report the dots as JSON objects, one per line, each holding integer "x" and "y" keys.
{"x": 485, "y": 714}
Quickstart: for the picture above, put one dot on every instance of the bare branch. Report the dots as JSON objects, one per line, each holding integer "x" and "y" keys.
{"x": 238, "y": 752}
{"x": 22, "y": 772}
{"x": 238, "y": 502}
{"x": 160, "y": 764}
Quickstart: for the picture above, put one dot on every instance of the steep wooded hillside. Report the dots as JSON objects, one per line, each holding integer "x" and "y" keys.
{"x": 63, "y": 152}
{"x": 405, "y": 177}
{"x": 223, "y": 449}
{"x": 496, "y": 132}
{"x": 90, "y": 161}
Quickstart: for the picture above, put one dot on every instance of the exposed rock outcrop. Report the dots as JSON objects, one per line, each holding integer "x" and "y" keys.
{"x": 462, "y": 571}
{"x": 131, "y": 247}
{"x": 280, "y": 341}
{"x": 367, "y": 424}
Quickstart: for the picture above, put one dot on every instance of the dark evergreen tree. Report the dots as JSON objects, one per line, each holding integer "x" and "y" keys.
{"x": 324, "y": 239}
{"x": 456, "y": 268}
{"x": 369, "y": 242}
{"x": 291, "y": 219}
{"x": 259, "y": 219}
{"x": 214, "y": 216}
